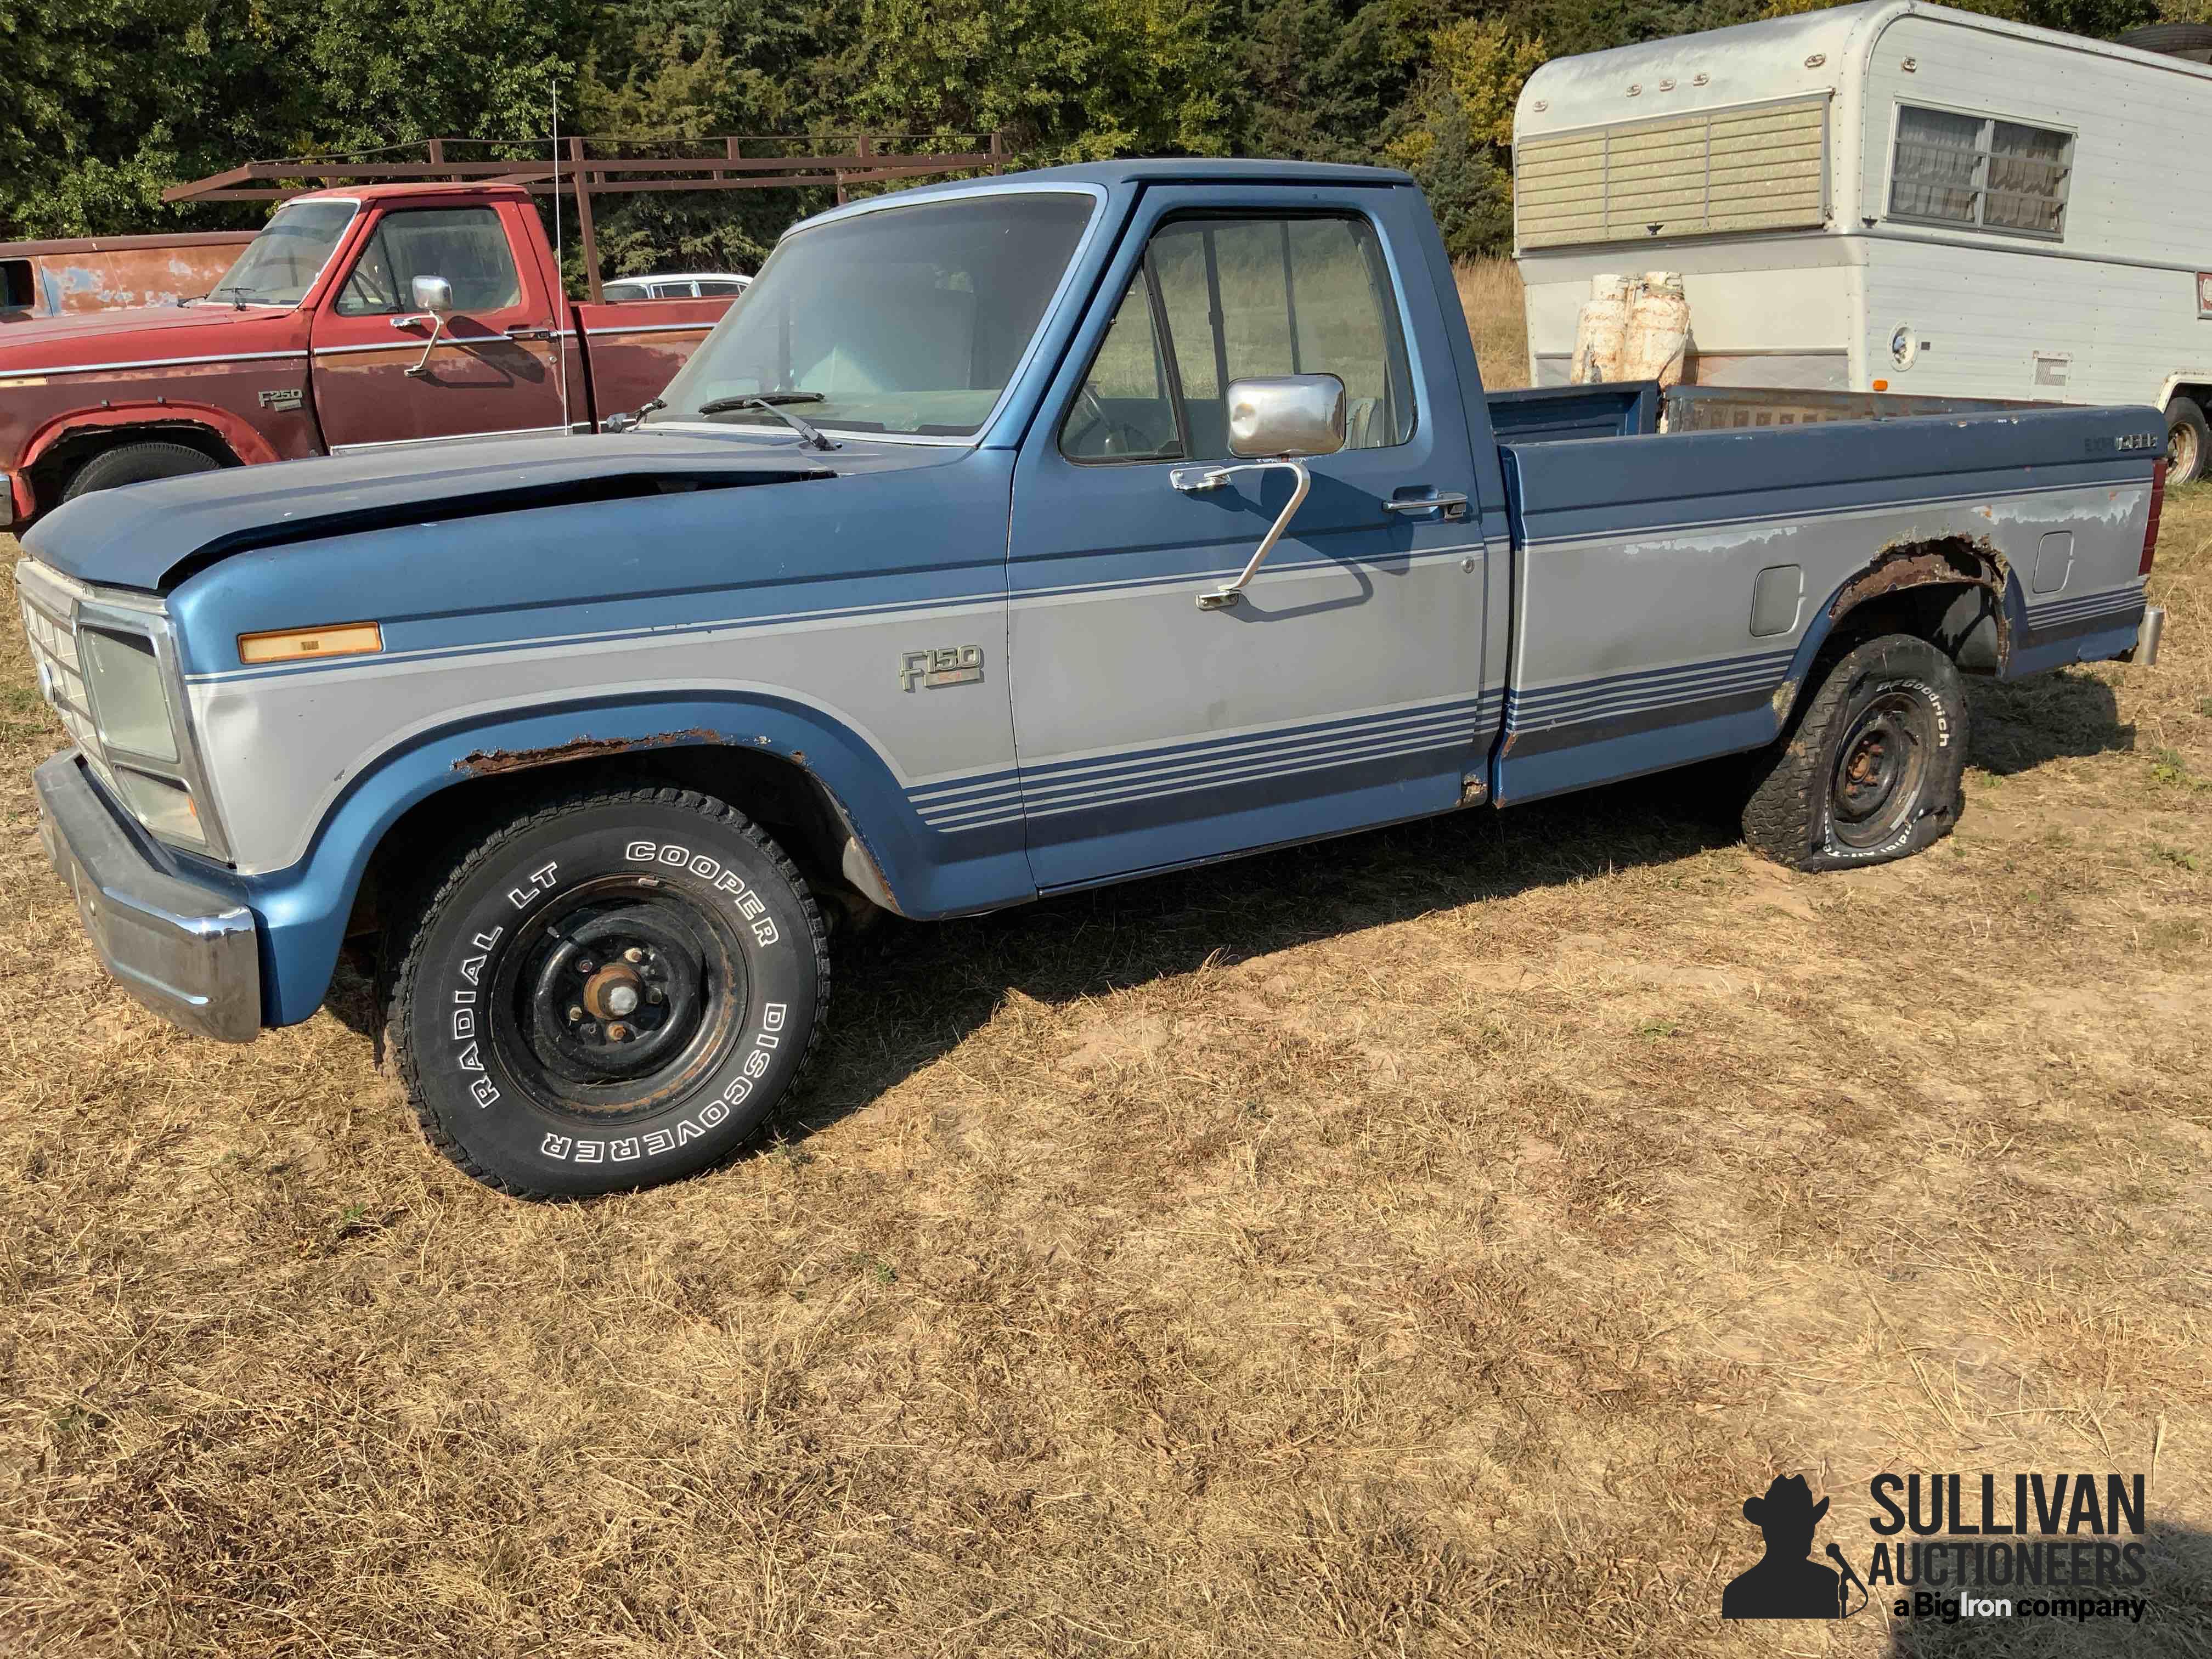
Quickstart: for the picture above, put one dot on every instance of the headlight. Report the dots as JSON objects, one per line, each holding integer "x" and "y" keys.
{"x": 108, "y": 665}
{"x": 128, "y": 703}
{"x": 131, "y": 708}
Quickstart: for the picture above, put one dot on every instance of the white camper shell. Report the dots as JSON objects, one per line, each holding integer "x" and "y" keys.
{"x": 1886, "y": 197}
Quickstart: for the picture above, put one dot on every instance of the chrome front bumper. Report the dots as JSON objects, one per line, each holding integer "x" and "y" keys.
{"x": 184, "y": 948}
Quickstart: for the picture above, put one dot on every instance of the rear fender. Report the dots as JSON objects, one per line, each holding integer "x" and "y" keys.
{"x": 1978, "y": 629}
{"x": 304, "y": 909}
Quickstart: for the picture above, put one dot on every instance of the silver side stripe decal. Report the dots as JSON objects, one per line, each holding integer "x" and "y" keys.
{"x": 1057, "y": 788}
{"x": 156, "y": 363}
{"x": 1692, "y": 526}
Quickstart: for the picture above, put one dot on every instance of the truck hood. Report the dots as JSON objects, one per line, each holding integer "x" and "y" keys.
{"x": 153, "y": 535}
{"x": 92, "y": 337}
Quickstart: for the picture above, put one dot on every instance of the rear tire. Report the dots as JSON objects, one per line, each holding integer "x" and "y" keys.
{"x": 609, "y": 992}
{"x": 2188, "y": 441}
{"x": 139, "y": 462}
{"x": 1872, "y": 771}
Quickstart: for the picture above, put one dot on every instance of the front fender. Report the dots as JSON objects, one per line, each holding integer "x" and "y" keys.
{"x": 238, "y": 434}
{"x": 303, "y": 910}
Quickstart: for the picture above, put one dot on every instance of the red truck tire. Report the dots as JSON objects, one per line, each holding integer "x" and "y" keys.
{"x": 136, "y": 463}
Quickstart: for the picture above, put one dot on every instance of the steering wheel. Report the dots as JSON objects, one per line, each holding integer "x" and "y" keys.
{"x": 1120, "y": 438}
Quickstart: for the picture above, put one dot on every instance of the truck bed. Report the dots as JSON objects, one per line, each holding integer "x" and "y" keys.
{"x": 1668, "y": 596}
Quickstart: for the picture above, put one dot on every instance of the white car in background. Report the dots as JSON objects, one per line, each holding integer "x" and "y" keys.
{"x": 690, "y": 285}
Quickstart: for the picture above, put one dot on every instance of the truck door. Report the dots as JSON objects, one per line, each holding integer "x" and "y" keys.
{"x": 1342, "y": 690}
{"x": 493, "y": 367}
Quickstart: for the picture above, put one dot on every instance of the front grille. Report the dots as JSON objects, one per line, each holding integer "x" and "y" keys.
{"x": 61, "y": 671}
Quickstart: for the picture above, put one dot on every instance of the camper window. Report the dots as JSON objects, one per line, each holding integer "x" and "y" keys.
{"x": 16, "y": 290}
{"x": 1975, "y": 171}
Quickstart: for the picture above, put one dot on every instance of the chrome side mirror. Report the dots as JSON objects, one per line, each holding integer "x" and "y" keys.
{"x": 1280, "y": 416}
{"x": 435, "y": 295}
{"x": 1285, "y": 414}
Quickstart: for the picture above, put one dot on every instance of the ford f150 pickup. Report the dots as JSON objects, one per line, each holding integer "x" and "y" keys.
{"x": 357, "y": 320}
{"x": 1011, "y": 537}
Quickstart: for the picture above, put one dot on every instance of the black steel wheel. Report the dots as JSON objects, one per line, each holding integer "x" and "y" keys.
{"x": 611, "y": 991}
{"x": 1871, "y": 771}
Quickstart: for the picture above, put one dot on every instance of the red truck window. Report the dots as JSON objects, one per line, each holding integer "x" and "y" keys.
{"x": 467, "y": 246}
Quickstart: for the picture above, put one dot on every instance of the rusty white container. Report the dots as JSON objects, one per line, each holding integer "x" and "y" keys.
{"x": 1601, "y": 331}
{"x": 1658, "y": 332}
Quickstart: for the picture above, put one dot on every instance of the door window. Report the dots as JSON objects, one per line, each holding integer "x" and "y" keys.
{"x": 1220, "y": 300}
{"x": 467, "y": 246}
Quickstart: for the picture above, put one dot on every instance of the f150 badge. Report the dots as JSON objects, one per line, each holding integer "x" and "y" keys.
{"x": 947, "y": 665}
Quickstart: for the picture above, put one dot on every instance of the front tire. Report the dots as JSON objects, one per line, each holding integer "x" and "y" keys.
{"x": 609, "y": 992}
{"x": 1872, "y": 771}
{"x": 139, "y": 462}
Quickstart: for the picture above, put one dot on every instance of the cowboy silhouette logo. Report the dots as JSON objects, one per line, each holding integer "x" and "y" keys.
{"x": 1785, "y": 1584}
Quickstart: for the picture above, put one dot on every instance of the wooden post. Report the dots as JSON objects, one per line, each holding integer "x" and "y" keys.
{"x": 437, "y": 152}
{"x": 584, "y": 222}
{"x": 998, "y": 150}
{"x": 864, "y": 147}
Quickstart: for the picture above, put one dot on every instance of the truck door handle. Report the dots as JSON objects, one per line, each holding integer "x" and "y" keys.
{"x": 1450, "y": 502}
{"x": 529, "y": 331}
{"x": 1192, "y": 480}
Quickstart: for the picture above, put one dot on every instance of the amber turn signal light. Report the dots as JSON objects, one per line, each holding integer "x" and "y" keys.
{"x": 294, "y": 644}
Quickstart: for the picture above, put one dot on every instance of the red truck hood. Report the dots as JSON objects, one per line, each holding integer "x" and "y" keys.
{"x": 139, "y": 333}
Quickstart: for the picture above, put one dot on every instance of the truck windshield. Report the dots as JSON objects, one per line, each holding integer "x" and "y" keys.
{"x": 905, "y": 320}
{"x": 280, "y": 265}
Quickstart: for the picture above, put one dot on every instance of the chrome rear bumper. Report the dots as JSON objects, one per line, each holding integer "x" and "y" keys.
{"x": 185, "y": 949}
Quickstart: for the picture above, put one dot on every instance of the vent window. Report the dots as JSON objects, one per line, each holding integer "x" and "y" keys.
{"x": 1723, "y": 171}
{"x": 1979, "y": 173}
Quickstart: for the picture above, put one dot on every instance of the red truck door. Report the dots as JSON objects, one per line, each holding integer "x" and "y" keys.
{"x": 494, "y": 368}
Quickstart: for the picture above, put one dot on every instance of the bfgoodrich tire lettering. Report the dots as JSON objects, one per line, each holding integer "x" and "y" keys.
{"x": 1872, "y": 771}
{"x": 609, "y": 992}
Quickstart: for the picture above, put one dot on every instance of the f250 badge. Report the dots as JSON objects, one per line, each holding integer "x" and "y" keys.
{"x": 2131, "y": 441}
{"x": 947, "y": 665}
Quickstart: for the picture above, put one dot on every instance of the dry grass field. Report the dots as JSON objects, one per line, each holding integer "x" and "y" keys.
{"x": 1417, "y": 1244}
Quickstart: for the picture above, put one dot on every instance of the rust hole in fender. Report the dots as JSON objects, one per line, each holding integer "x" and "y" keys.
{"x": 1915, "y": 564}
{"x": 490, "y": 763}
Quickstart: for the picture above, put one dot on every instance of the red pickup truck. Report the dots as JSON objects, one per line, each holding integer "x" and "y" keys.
{"x": 358, "y": 319}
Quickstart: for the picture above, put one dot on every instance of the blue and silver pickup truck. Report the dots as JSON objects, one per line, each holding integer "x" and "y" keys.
{"x": 1009, "y": 537}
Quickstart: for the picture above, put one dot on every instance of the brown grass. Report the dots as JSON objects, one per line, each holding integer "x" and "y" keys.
{"x": 1490, "y": 292}
{"x": 1418, "y": 1244}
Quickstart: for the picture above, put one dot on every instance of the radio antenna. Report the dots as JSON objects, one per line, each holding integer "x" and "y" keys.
{"x": 561, "y": 315}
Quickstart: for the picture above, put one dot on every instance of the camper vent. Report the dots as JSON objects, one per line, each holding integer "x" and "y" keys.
{"x": 1758, "y": 167}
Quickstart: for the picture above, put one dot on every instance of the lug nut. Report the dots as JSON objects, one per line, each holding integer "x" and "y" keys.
{"x": 575, "y": 1014}
{"x": 619, "y": 1033}
{"x": 584, "y": 965}
{"x": 633, "y": 955}
{"x": 654, "y": 993}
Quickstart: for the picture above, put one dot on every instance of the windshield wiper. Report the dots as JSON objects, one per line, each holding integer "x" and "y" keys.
{"x": 634, "y": 418}
{"x": 238, "y": 289}
{"x": 773, "y": 402}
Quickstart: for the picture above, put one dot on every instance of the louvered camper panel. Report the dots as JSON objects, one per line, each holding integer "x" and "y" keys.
{"x": 1758, "y": 166}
